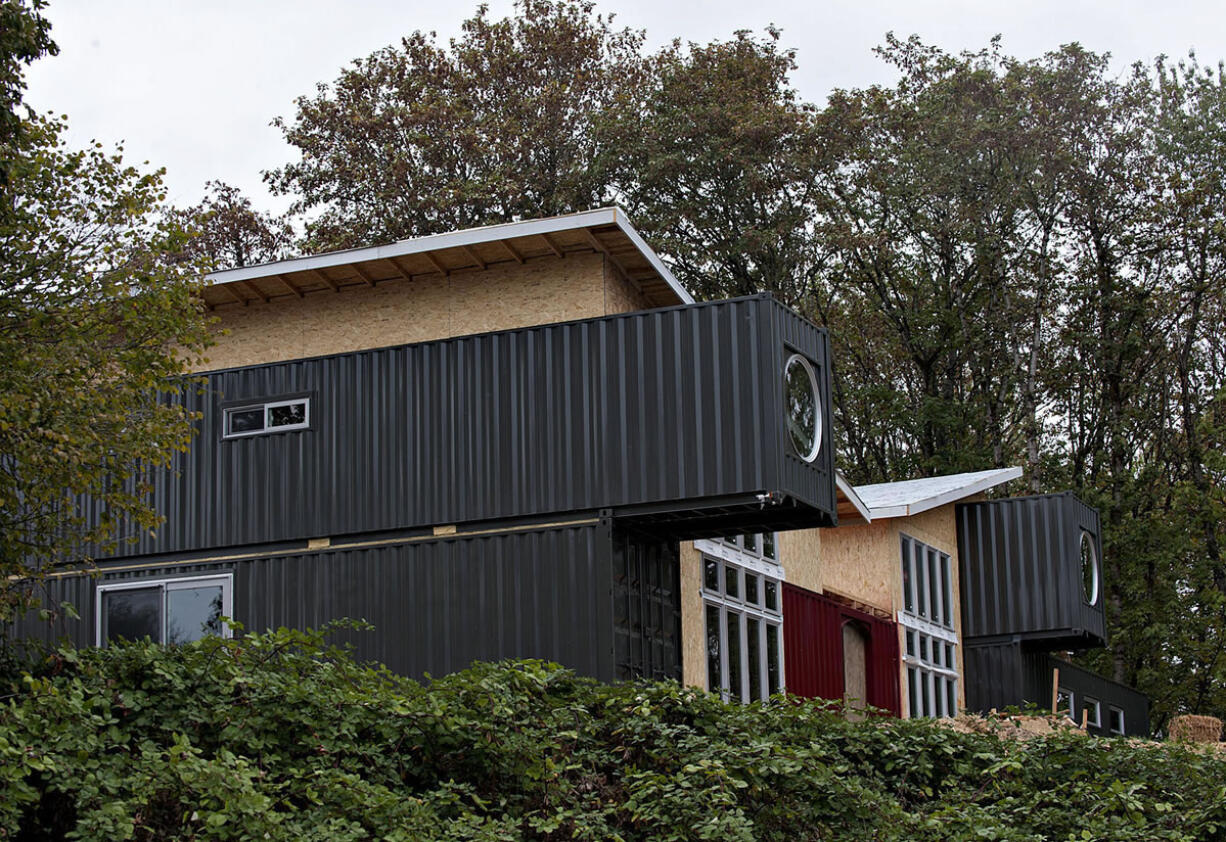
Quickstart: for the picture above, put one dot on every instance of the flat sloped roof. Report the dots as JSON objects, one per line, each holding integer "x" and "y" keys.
{"x": 910, "y": 497}
{"x": 604, "y": 230}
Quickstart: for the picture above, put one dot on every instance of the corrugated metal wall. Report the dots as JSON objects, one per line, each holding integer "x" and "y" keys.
{"x": 665, "y": 409}
{"x": 1005, "y": 673}
{"x": 813, "y": 649}
{"x": 1020, "y": 566}
{"x": 439, "y": 604}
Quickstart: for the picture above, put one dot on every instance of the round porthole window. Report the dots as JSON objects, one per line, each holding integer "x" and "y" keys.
{"x": 803, "y": 410}
{"x": 1089, "y": 568}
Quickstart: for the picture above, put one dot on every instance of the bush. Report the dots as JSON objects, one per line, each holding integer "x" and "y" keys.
{"x": 274, "y": 736}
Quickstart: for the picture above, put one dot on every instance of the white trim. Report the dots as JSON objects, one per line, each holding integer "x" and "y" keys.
{"x": 849, "y": 491}
{"x": 925, "y": 627}
{"x": 729, "y": 553}
{"x": 818, "y": 430}
{"x": 164, "y": 584}
{"x": 984, "y": 481}
{"x": 455, "y": 239}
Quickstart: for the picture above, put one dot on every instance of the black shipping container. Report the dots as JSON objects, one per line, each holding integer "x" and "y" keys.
{"x": 588, "y": 595}
{"x": 1006, "y": 673}
{"x": 674, "y": 419}
{"x": 1030, "y": 567}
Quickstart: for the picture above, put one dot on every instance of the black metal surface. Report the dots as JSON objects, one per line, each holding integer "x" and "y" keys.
{"x": 646, "y": 607}
{"x": 1006, "y": 673}
{"x": 571, "y": 594}
{"x": 1020, "y": 569}
{"x": 659, "y": 413}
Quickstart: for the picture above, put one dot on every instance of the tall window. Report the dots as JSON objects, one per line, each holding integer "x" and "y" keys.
{"x": 743, "y": 617}
{"x": 165, "y": 611}
{"x": 930, "y": 650}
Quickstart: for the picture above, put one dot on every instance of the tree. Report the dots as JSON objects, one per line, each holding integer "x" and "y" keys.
{"x": 716, "y": 156}
{"x": 25, "y": 35}
{"x": 229, "y": 232}
{"x": 501, "y": 125}
{"x": 98, "y": 323}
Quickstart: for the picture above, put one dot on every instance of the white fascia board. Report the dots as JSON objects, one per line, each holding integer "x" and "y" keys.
{"x": 623, "y": 222}
{"x": 454, "y": 239}
{"x": 841, "y": 483}
{"x": 992, "y": 480}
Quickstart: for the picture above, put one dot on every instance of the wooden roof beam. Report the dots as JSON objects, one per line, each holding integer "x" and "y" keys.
{"x": 256, "y": 290}
{"x": 475, "y": 258}
{"x": 326, "y": 280}
{"x": 434, "y": 261}
{"x": 519, "y": 258}
{"x": 230, "y": 289}
{"x": 552, "y": 245}
{"x": 364, "y": 274}
{"x": 404, "y": 271}
{"x": 291, "y": 287}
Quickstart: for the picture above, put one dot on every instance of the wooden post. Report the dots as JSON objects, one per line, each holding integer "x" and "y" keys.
{"x": 1085, "y": 718}
{"x": 1055, "y": 689}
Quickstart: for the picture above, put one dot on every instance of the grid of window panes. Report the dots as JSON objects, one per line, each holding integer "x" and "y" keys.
{"x": 932, "y": 674}
{"x": 760, "y": 544}
{"x": 743, "y": 615}
{"x": 930, "y": 650}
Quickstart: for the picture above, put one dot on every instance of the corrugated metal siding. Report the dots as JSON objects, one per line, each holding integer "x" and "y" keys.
{"x": 1004, "y": 673}
{"x": 813, "y": 649}
{"x": 1020, "y": 566}
{"x": 994, "y": 678}
{"x": 1083, "y": 683}
{"x": 669, "y": 407}
{"x": 571, "y": 594}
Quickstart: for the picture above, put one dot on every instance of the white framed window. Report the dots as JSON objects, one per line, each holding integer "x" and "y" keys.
{"x": 930, "y": 650}
{"x": 163, "y": 610}
{"x": 254, "y": 419}
{"x": 758, "y": 550}
{"x": 743, "y": 625}
{"x": 1115, "y": 720}
{"x": 1092, "y": 709}
{"x": 1066, "y": 702}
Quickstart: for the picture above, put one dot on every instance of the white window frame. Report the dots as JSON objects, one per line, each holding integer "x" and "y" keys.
{"x": 1095, "y": 717}
{"x": 732, "y": 549}
{"x": 268, "y": 407}
{"x": 1123, "y": 725}
{"x": 226, "y": 580}
{"x": 1072, "y": 702}
{"x": 744, "y": 611}
{"x": 938, "y": 672}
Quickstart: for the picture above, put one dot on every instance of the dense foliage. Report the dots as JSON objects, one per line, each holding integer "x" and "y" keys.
{"x": 271, "y": 737}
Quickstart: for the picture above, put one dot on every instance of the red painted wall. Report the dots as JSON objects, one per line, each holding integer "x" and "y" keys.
{"x": 813, "y": 649}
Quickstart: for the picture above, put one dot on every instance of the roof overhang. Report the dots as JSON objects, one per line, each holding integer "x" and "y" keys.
{"x": 850, "y": 507}
{"x": 604, "y": 230}
{"x": 911, "y": 497}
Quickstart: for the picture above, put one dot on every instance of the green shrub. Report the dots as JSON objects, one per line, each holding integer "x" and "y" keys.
{"x": 273, "y": 736}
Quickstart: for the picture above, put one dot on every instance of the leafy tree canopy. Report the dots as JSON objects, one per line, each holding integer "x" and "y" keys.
{"x": 97, "y": 319}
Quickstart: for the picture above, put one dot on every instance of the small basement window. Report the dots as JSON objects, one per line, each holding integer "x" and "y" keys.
{"x": 271, "y": 417}
{"x": 165, "y": 611}
{"x": 1115, "y": 720}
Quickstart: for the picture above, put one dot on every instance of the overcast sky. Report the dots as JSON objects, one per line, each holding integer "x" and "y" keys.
{"x": 192, "y": 86}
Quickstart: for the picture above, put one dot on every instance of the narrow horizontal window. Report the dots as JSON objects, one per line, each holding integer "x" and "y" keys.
{"x": 270, "y": 417}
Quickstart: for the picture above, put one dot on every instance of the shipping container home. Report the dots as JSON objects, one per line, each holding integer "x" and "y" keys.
{"x": 1032, "y": 585}
{"x": 1032, "y": 570}
{"x": 494, "y": 486}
